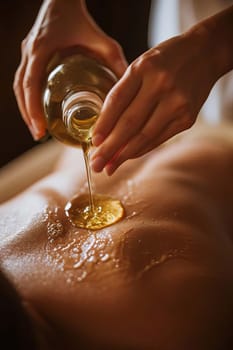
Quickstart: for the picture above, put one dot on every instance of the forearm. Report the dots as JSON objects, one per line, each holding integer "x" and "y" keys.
{"x": 217, "y": 34}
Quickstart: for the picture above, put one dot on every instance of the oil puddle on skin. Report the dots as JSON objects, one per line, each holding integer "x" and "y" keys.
{"x": 78, "y": 252}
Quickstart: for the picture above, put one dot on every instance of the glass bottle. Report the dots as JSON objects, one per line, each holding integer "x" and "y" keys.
{"x": 74, "y": 94}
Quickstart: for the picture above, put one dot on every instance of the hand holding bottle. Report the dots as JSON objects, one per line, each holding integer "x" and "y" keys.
{"x": 59, "y": 25}
{"x": 162, "y": 92}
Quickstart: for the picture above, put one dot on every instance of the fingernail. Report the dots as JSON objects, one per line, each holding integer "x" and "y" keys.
{"x": 122, "y": 65}
{"x": 35, "y": 131}
{"x": 110, "y": 169}
{"x": 97, "y": 139}
{"x": 97, "y": 164}
{"x": 45, "y": 137}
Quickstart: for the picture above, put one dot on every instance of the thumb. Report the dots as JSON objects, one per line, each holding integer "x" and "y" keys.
{"x": 120, "y": 66}
{"x": 115, "y": 58}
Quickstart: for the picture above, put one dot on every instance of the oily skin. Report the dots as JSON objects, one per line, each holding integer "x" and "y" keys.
{"x": 139, "y": 297}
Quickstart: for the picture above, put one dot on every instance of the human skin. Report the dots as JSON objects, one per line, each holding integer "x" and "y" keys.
{"x": 161, "y": 278}
{"x": 59, "y": 25}
{"x": 169, "y": 83}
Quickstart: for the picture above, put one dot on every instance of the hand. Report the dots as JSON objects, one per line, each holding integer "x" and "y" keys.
{"x": 59, "y": 25}
{"x": 159, "y": 95}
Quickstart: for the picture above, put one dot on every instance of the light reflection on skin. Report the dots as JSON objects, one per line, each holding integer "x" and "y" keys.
{"x": 79, "y": 252}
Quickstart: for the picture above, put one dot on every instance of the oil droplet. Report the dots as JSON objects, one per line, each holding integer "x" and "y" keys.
{"x": 104, "y": 257}
{"x": 79, "y": 253}
{"x": 54, "y": 225}
{"x": 92, "y": 259}
{"x": 82, "y": 276}
{"x": 131, "y": 215}
{"x": 106, "y": 211}
{"x": 78, "y": 264}
{"x": 129, "y": 192}
{"x": 69, "y": 280}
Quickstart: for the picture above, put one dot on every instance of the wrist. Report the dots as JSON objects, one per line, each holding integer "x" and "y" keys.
{"x": 216, "y": 33}
{"x": 214, "y": 38}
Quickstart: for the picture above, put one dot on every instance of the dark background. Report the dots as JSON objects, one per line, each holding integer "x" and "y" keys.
{"x": 124, "y": 20}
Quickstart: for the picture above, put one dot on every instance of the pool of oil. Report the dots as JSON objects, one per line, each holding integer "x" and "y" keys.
{"x": 104, "y": 211}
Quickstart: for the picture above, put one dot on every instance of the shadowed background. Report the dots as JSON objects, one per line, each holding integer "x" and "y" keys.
{"x": 124, "y": 20}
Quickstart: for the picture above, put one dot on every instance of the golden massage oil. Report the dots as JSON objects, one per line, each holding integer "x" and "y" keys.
{"x": 74, "y": 93}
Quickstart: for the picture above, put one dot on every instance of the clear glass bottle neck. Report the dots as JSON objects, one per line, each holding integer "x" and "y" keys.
{"x": 80, "y": 111}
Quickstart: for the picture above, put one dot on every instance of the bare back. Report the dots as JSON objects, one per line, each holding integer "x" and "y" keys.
{"x": 159, "y": 279}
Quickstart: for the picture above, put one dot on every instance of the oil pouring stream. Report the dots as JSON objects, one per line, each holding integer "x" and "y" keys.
{"x": 73, "y": 97}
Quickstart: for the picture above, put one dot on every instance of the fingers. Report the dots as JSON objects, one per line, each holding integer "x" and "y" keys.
{"x": 111, "y": 51}
{"x": 115, "y": 57}
{"x": 107, "y": 48}
{"x": 171, "y": 108}
{"x": 116, "y": 102}
{"x": 28, "y": 88}
{"x": 32, "y": 87}
{"x": 131, "y": 122}
{"x": 18, "y": 90}
{"x": 169, "y": 117}
{"x": 173, "y": 128}
{"x": 126, "y": 109}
